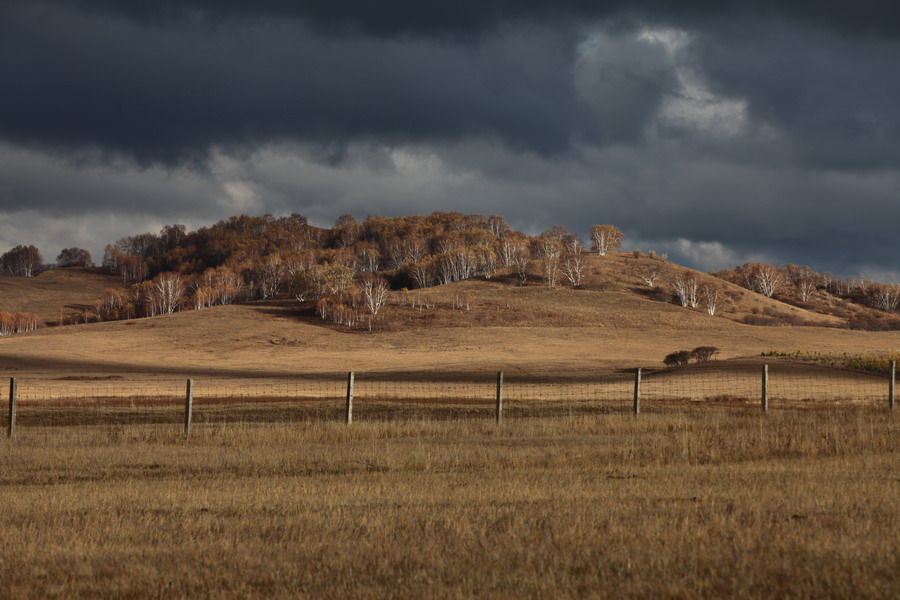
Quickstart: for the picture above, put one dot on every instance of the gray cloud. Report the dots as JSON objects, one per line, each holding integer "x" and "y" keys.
{"x": 714, "y": 131}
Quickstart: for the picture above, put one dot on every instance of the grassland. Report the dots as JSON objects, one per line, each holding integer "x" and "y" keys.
{"x": 56, "y": 291}
{"x": 686, "y": 503}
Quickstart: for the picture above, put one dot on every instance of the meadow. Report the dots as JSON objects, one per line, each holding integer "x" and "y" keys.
{"x": 571, "y": 496}
{"x": 688, "y": 502}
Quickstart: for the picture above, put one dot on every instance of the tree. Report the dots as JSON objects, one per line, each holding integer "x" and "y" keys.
{"x": 687, "y": 286}
{"x": 758, "y": 277}
{"x": 521, "y": 259}
{"x": 678, "y": 359}
{"x": 374, "y": 290}
{"x": 74, "y": 257}
{"x": 573, "y": 269}
{"x": 650, "y": 277}
{"x": 704, "y": 353}
{"x": 605, "y": 238}
{"x": 270, "y": 272}
{"x": 423, "y": 272}
{"x": 167, "y": 292}
{"x": 21, "y": 261}
{"x": 884, "y": 296}
{"x": 710, "y": 295}
{"x": 549, "y": 250}
{"x": 806, "y": 280}
{"x": 498, "y": 226}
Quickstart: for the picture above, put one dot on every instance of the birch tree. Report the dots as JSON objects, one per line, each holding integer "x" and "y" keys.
{"x": 605, "y": 238}
{"x": 710, "y": 294}
{"x": 573, "y": 269}
{"x": 374, "y": 291}
{"x": 687, "y": 287}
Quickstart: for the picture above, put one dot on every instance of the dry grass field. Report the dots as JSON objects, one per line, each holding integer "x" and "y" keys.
{"x": 271, "y": 496}
{"x": 691, "y": 503}
{"x": 66, "y": 290}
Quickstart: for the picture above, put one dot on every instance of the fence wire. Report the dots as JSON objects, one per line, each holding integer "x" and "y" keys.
{"x": 75, "y": 400}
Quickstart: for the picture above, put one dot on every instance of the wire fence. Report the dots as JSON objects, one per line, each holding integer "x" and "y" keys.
{"x": 74, "y": 400}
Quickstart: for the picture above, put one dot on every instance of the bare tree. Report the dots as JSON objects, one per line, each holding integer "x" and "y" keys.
{"x": 805, "y": 279}
{"x": 710, "y": 294}
{"x": 573, "y": 243}
{"x": 573, "y": 269}
{"x": 374, "y": 290}
{"x": 650, "y": 277}
{"x": 168, "y": 292}
{"x": 522, "y": 262}
{"x": 270, "y": 271}
{"x": 549, "y": 250}
{"x": 423, "y": 272}
{"x": 765, "y": 279}
{"x": 884, "y": 297}
{"x": 605, "y": 238}
{"x": 687, "y": 286}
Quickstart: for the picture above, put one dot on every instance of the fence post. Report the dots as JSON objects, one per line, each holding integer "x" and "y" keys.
{"x": 11, "y": 428}
{"x": 765, "y": 388}
{"x": 188, "y": 405}
{"x": 349, "y": 413}
{"x": 891, "y": 382}
{"x": 637, "y": 391}
{"x": 499, "y": 396}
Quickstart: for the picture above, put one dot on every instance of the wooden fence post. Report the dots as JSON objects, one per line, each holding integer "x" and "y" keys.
{"x": 349, "y": 413}
{"x": 499, "y": 396}
{"x": 765, "y": 388}
{"x": 891, "y": 381}
{"x": 11, "y": 428}
{"x": 637, "y": 391}
{"x": 188, "y": 405}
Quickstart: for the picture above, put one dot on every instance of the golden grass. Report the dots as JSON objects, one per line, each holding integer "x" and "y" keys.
{"x": 68, "y": 290}
{"x": 686, "y": 503}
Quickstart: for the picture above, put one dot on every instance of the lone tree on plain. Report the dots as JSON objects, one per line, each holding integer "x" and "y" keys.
{"x": 605, "y": 238}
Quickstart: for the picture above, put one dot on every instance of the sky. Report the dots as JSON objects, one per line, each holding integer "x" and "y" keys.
{"x": 716, "y": 131}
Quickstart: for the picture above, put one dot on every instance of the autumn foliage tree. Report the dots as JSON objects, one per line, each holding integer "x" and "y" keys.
{"x": 74, "y": 257}
{"x": 605, "y": 239}
{"x": 21, "y": 261}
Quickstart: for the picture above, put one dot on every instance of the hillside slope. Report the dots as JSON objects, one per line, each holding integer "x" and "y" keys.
{"x": 66, "y": 290}
{"x": 614, "y": 321}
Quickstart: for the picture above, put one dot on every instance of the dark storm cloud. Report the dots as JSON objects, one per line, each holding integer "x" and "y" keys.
{"x": 834, "y": 98}
{"x": 473, "y": 17}
{"x": 168, "y": 94}
{"x": 165, "y": 81}
{"x": 716, "y": 130}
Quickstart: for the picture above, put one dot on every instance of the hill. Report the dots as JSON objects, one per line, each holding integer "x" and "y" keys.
{"x": 69, "y": 290}
{"x": 534, "y": 329}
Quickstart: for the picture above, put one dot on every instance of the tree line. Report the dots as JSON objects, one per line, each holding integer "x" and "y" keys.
{"x": 345, "y": 271}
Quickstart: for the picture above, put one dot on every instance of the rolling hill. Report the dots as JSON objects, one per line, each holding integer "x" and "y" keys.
{"x": 614, "y": 321}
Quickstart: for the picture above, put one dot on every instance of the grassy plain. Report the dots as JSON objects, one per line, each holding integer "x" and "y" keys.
{"x": 710, "y": 500}
{"x": 686, "y": 503}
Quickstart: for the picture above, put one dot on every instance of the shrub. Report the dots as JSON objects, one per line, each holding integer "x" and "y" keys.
{"x": 678, "y": 359}
{"x": 704, "y": 353}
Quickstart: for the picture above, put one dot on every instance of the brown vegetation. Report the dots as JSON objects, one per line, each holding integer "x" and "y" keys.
{"x": 687, "y": 504}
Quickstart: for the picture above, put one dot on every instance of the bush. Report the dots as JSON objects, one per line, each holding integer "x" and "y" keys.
{"x": 704, "y": 353}
{"x": 678, "y": 359}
